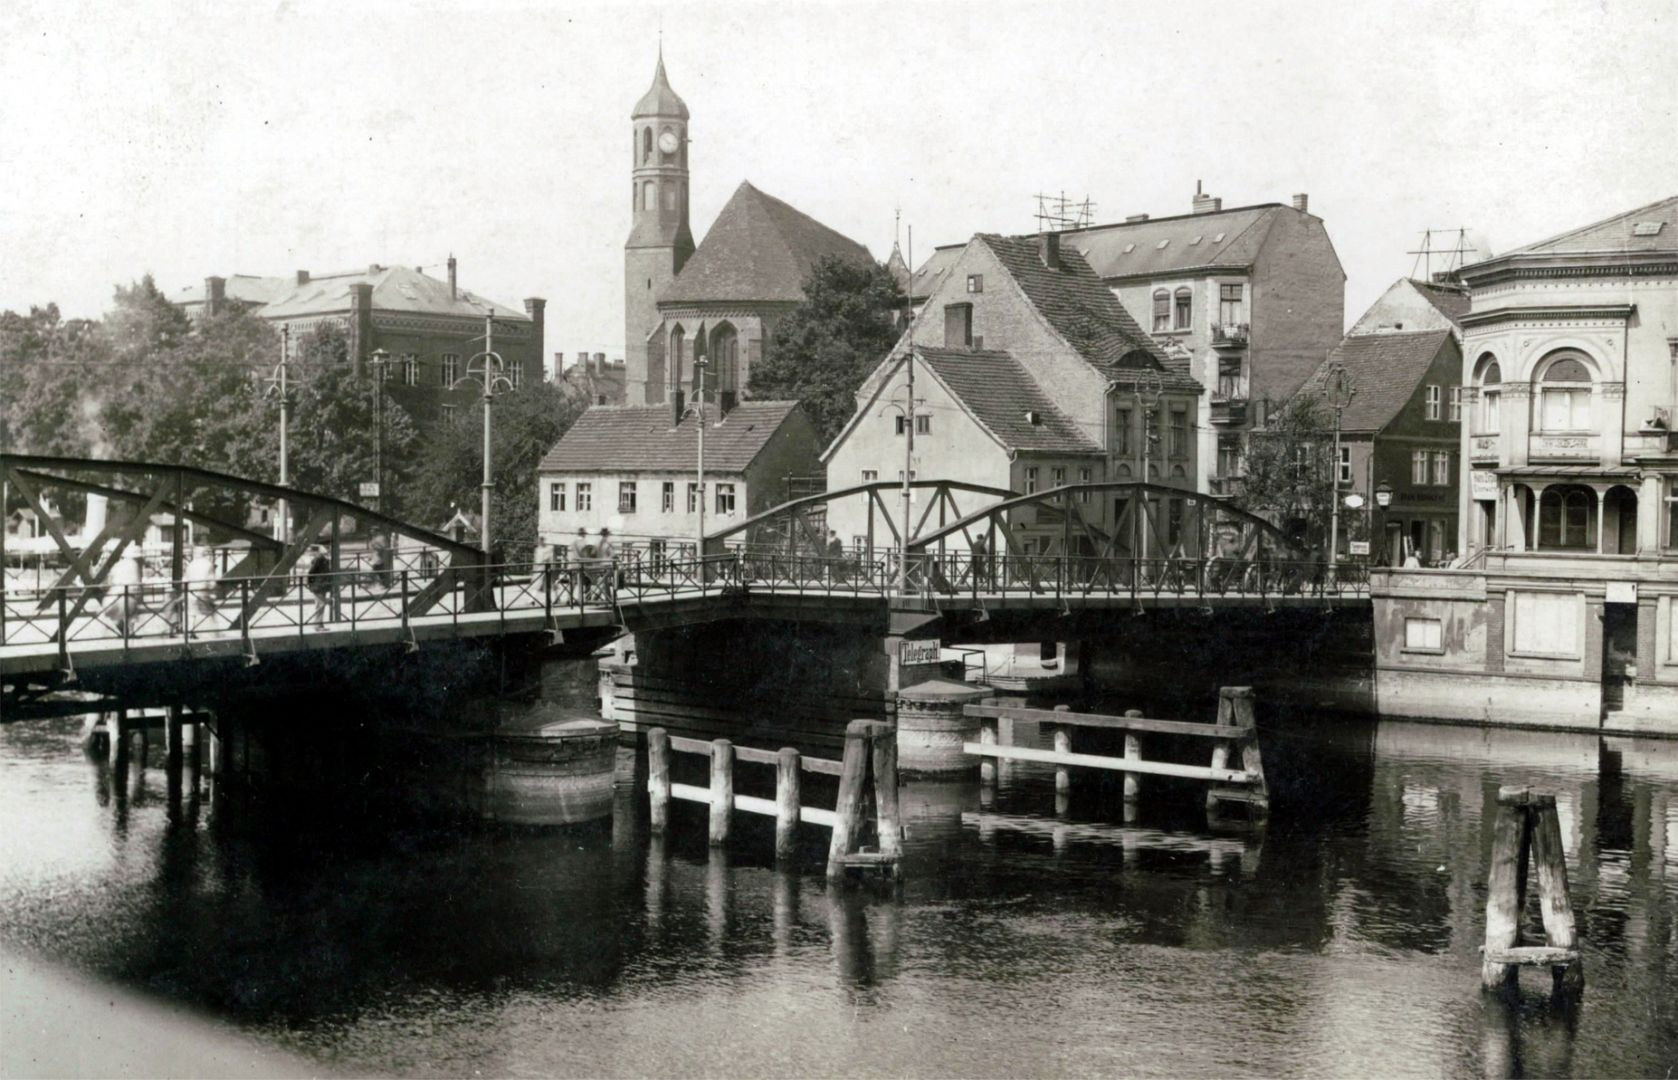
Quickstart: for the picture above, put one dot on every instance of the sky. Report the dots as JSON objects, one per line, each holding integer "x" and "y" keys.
{"x": 189, "y": 139}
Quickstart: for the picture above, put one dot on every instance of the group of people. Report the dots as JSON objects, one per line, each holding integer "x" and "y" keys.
{"x": 127, "y": 602}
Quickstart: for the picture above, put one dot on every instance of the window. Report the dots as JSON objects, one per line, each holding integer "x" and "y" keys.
{"x": 693, "y": 496}
{"x": 923, "y": 425}
{"x": 958, "y": 326}
{"x": 1162, "y": 311}
{"x": 1565, "y": 390}
{"x": 410, "y": 370}
{"x": 1083, "y": 478}
{"x": 1229, "y": 382}
{"x": 1566, "y": 517}
{"x": 1344, "y": 473}
{"x": 646, "y": 144}
{"x": 451, "y": 368}
{"x": 515, "y": 373}
{"x": 656, "y": 552}
{"x": 556, "y": 496}
{"x": 975, "y": 283}
{"x": 1546, "y": 624}
{"x": 859, "y": 543}
{"x": 1121, "y": 431}
{"x": 1455, "y": 413}
{"x": 870, "y": 476}
{"x": 1031, "y": 480}
{"x": 1230, "y": 309}
{"x": 900, "y": 475}
{"x": 1229, "y": 455}
{"x": 1418, "y": 466}
{"x": 1182, "y": 308}
{"x": 1424, "y": 635}
{"x": 1059, "y": 475}
{"x": 585, "y": 495}
{"x": 1442, "y": 468}
{"x": 1491, "y": 397}
{"x": 725, "y": 498}
{"x": 649, "y": 196}
{"x": 1672, "y": 533}
{"x": 1432, "y": 402}
{"x": 1179, "y": 432}
{"x": 626, "y": 496}
{"x": 902, "y": 424}
{"x": 450, "y": 416}
{"x": 667, "y": 497}
{"x": 678, "y": 342}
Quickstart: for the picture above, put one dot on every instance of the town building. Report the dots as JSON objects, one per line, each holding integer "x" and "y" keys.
{"x": 1248, "y": 301}
{"x": 1400, "y": 431}
{"x": 592, "y": 378}
{"x": 723, "y": 299}
{"x": 634, "y": 470}
{"x": 1029, "y": 375}
{"x": 1565, "y": 610}
{"x": 429, "y": 327}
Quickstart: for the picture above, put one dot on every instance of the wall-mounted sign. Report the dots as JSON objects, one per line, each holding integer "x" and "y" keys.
{"x": 1482, "y": 484}
{"x": 919, "y": 652}
{"x": 369, "y": 489}
{"x": 1622, "y": 592}
{"x": 1359, "y": 547}
{"x": 1353, "y": 501}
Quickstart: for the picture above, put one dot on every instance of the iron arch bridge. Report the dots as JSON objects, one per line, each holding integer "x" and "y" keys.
{"x": 799, "y": 527}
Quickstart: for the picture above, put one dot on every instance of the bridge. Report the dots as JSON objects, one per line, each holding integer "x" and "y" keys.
{"x": 76, "y": 636}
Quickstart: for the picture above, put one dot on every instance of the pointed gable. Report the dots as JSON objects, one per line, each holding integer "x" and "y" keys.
{"x": 759, "y": 249}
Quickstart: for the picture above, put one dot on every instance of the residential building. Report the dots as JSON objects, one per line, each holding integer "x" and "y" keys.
{"x": 633, "y": 469}
{"x": 592, "y": 378}
{"x": 1246, "y": 301}
{"x": 1028, "y": 373}
{"x": 248, "y": 290}
{"x": 722, "y": 300}
{"x": 1566, "y": 611}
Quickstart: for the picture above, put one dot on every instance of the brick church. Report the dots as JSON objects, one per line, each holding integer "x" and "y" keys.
{"x": 722, "y": 300}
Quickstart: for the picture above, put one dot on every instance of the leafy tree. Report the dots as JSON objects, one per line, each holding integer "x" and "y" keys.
{"x": 1290, "y": 471}
{"x": 831, "y": 341}
{"x": 334, "y": 433}
{"x": 526, "y": 424}
{"x": 45, "y": 364}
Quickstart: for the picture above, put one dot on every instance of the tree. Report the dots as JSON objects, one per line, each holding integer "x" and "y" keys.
{"x": 526, "y": 424}
{"x": 45, "y": 364}
{"x": 831, "y": 341}
{"x": 1290, "y": 473}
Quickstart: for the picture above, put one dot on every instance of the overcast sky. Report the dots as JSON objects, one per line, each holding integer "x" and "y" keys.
{"x": 212, "y": 138}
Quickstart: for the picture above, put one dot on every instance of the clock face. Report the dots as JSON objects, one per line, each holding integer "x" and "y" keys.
{"x": 667, "y": 142}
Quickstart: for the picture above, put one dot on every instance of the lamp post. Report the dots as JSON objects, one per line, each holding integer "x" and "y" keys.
{"x": 380, "y": 358}
{"x": 906, "y": 412}
{"x": 280, "y": 387}
{"x": 1339, "y": 393}
{"x": 1383, "y": 499}
{"x": 1149, "y": 387}
{"x": 700, "y": 365}
{"x": 489, "y": 374}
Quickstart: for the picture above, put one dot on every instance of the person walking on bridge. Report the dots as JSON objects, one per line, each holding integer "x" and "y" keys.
{"x": 319, "y": 582}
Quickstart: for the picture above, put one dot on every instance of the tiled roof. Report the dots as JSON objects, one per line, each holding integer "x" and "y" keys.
{"x": 244, "y": 288}
{"x": 932, "y": 272}
{"x": 395, "y": 288}
{"x": 759, "y": 248}
{"x": 1452, "y": 302}
{"x": 999, "y": 394}
{"x": 1618, "y": 234}
{"x": 1385, "y": 370}
{"x": 660, "y": 99}
{"x": 1080, "y": 308}
{"x": 1225, "y": 238}
{"x": 639, "y": 438}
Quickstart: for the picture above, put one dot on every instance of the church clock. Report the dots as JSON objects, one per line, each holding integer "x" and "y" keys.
{"x": 667, "y": 142}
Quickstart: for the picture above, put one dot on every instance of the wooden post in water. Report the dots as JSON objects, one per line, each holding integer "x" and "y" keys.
{"x": 1063, "y": 745}
{"x": 1133, "y": 751}
{"x": 1555, "y": 905}
{"x": 1527, "y": 823}
{"x": 1505, "y": 896}
{"x": 722, "y": 789}
{"x": 658, "y": 778}
{"x": 888, "y": 820}
{"x": 787, "y": 802}
{"x": 173, "y": 757}
{"x": 987, "y": 737}
{"x": 847, "y": 812}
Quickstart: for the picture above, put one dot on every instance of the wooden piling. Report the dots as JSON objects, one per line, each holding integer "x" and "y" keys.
{"x": 722, "y": 789}
{"x": 1133, "y": 751}
{"x": 1527, "y": 824}
{"x": 787, "y": 802}
{"x": 173, "y": 757}
{"x": 987, "y": 737}
{"x": 848, "y": 810}
{"x": 1063, "y": 745}
{"x": 1503, "y": 894}
{"x": 888, "y": 820}
{"x": 658, "y": 778}
{"x": 1555, "y": 905}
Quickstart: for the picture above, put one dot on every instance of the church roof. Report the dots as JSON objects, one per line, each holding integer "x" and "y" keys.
{"x": 996, "y": 391}
{"x": 1385, "y": 370}
{"x": 395, "y": 288}
{"x": 897, "y": 268}
{"x": 640, "y": 438}
{"x": 660, "y": 99}
{"x": 759, "y": 249}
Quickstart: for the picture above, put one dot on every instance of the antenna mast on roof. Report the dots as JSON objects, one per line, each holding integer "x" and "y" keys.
{"x": 1056, "y": 213}
{"x": 1454, "y": 256}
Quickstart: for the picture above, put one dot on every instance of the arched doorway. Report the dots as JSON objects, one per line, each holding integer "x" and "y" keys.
{"x": 1567, "y": 518}
{"x": 1619, "y": 521}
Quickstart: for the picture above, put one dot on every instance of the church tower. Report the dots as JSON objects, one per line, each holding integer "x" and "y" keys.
{"x": 659, "y": 240}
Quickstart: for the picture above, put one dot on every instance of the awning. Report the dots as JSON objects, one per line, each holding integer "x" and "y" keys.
{"x": 1600, "y": 472}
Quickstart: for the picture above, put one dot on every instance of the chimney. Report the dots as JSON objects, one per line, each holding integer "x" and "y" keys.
{"x": 600, "y": 363}
{"x": 1205, "y": 204}
{"x": 1302, "y": 202}
{"x": 453, "y": 291}
{"x": 361, "y": 324}
{"x": 1050, "y": 250}
{"x": 375, "y": 268}
{"x": 215, "y": 295}
{"x": 536, "y": 308}
{"x": 302, "y": 277}
{"x": 1134, "y": 218}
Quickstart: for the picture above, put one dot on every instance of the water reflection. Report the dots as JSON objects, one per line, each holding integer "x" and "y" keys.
{"x": 1340, "y": 938}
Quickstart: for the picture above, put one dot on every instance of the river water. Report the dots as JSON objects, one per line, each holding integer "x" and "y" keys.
{"x": 1339, "y": 940}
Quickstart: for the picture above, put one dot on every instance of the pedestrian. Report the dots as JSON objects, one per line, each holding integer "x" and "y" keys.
{"x": 835, "y": 558}
{"x": 1318, "y": 569}
{"x": 607, "y": 555}
{"x": 585, "y": 563}
{"x": 383, "y": 560}
{"x": 123, "y": 593}
{"x": 318, "y": 579}
{"x": 980, "y": 561}
{"x": 201, "y": 584}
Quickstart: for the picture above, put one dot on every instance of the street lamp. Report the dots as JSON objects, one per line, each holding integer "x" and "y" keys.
{"x": 1339, "y": 393}
{"x": 488, "y": 371}
{"x": 1383, "y": 499}
{"x": 906, "y": 410}
{"x": 380, "y": 358}
{"x": 1149, "y": 387}
{"x": 279, "y": 386}
{"x": 700, "y": 365}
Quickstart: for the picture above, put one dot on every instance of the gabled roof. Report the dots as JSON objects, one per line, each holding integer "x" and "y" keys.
{"x": 395, "y": 288}
{"x": 759, "y": 248}
{"x": 1616, "y": 235}
{"x": 660, "y": 99}
{"x": 1385, "y": 370}
{"x": 1451, "y": 300}
{"x": 931, "y": 273}
{"x": 640, "y": 438}
{"x": 996, "y": 391}
{"x": 243, "y": 288}
{"x": 1230, "y": 239}
{"x": 1080, "y": 308}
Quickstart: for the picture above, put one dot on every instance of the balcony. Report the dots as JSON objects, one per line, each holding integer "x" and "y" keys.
{"x": 1229, "y": 408}
{"x": 1226, "y": 485}
{"x": 1229, "y": 335}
